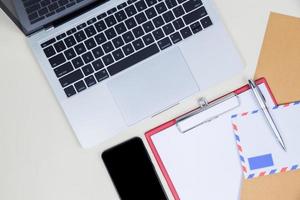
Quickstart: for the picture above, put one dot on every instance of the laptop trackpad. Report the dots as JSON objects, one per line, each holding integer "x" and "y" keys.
{"x": 153, "y": 86}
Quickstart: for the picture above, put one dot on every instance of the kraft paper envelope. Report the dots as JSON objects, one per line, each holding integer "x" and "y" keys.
{"x": 279, "y": 60}
{"x": 279, "y": 63}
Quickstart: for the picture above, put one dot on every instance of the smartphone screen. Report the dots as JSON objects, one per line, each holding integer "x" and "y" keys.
{"x": 132, "y": 171}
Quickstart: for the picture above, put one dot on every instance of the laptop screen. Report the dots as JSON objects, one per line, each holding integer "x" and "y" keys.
{"x": 33, "y": 15}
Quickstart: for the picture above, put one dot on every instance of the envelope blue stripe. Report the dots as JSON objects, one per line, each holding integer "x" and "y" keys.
{"x": 262, "y": 161}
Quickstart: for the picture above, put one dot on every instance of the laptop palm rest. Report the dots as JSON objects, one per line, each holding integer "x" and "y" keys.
{"x": 153, "y": 86}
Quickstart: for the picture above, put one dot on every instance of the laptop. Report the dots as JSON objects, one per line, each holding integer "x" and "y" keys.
{"x": 114, "y": 63}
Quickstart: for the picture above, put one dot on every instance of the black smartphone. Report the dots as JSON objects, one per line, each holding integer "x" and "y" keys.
{"x": 132, "y": 171}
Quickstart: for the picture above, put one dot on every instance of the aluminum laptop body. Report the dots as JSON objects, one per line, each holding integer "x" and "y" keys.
{"x": 115, "y": 93}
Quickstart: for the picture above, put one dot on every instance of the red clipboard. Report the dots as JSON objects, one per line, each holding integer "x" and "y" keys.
{"x": 170, "y": 123}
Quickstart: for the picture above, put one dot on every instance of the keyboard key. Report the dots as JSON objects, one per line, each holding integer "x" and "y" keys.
{"x": 120, "y": 28}
{"x": 90, "y": 81}
{"x": 44, "y": 3}
{"x": 148, "y": 26}
{"x": 100, "y": 38}
{"x": 97, "y": 52}
{"x": 87, "y": 70}
{"x": 100, "y": 26}
{"x": 59, "y": 46}
{"x": 70, "y": 53}
{"x": 196, "y": 27}
{"x": 140, "y": 18}
{"x": 138, "y": 44}
{"x": 101, "y": 75}
{"x": 178, "y": 24}
{"x": 130, "y": 23}
{"x": 110, "y": 21}
{"x": 71, "y": 31}
{"x": 33, "y": 8}
{"x": 43, "y": 11}
{"x": 130, "y": 10}
{"x": 148, "y": 39}
{"x": 81, "y": 26}
{"x": 110, "y": 33}
{"x": 108, "y": 47}
{"x": 122, "y": 5}
{"x": 175, "y": 37}
{"x": 102, "y": 16}
{"x": 168, "y": 16}
{"x": 140, "y": 5}
{"x": 63, "y": 69}
{"x": 77, "y": 62}
{"x": 161, "y": 7}
{"x": 108, "y": 59}
{"x": 178, "y": 11}
{"x": 151, "y": 13}
{"x": 138, "y": 32}
{"x": 87, "y": 57}
{"x": 194, "y": 15}
{"x": 185, "y": 32}
{"x": 164, "y": 43}
{"x": 70, "y": 4}
{"x": 70, "y": 91}
{"x": 70, "y": 41}
{"x": 57, "y": 60}
{"x": 111, "y": 11}
{"x": 181, "y": 1}
{"x": 49, "y": 51}
{"x": 80, "y": 86}
{"x": 158, "y": 21}
{"x": 131, "y": 1}
{"x": 158, "y": 34}
{"x": 151, "y": 2}
{"x": 91, "y": 21}
{"x": 133, "y": 59}
{"x": 98, "y": 64}
{"x": 191, "y": 5}
{"x": 80, "y": 49}
{"x": 118, "y": 54}
{"x": 171, "y": 3}
{"x": 61, "y": 36}
{"x": 118, "y": 41}
{"x": 33, "y": 16}
{"x": 90, "y": 43}
{"x": 28, "y": 3}
{"x": 90, "y": 31}
{"x": 71, "y": 78}
{"x": 128, "y": 49}
{"x": 80, "y": 36}
{"x": 128, "y": 37}
{"x": 206, "y": 22}
{"x": 53, "y": 6}
{"x": 120, "y": 16}
{"x": 168, "y": 29}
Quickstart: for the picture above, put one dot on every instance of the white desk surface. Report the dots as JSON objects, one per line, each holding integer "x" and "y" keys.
{"x": 39, "y": 155}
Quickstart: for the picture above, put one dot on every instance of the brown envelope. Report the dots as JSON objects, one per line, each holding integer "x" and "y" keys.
{"x": 279, "y": 60}
{"x": 279, "y": 63}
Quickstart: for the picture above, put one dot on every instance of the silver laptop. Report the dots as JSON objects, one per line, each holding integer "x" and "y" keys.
{"x": 114, "y": 63}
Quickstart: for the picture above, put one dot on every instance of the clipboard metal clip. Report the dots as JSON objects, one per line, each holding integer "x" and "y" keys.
{"x": 207, "y": 112}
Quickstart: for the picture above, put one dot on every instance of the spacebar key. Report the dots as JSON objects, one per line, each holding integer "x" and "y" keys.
{"x": 133, "y": 59}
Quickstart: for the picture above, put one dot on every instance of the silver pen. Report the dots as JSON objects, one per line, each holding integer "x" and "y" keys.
{"x": 262, "y": 103}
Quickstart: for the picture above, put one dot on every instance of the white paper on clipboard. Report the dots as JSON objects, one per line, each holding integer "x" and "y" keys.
{"x": 203, "y": 163}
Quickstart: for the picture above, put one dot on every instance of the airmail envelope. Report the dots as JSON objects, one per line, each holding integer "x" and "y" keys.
{"x": 260, "y": 152}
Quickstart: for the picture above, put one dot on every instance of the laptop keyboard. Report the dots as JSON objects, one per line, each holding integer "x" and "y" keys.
{"x": 119, "y": 38}
{"x": 38, "y": 10}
